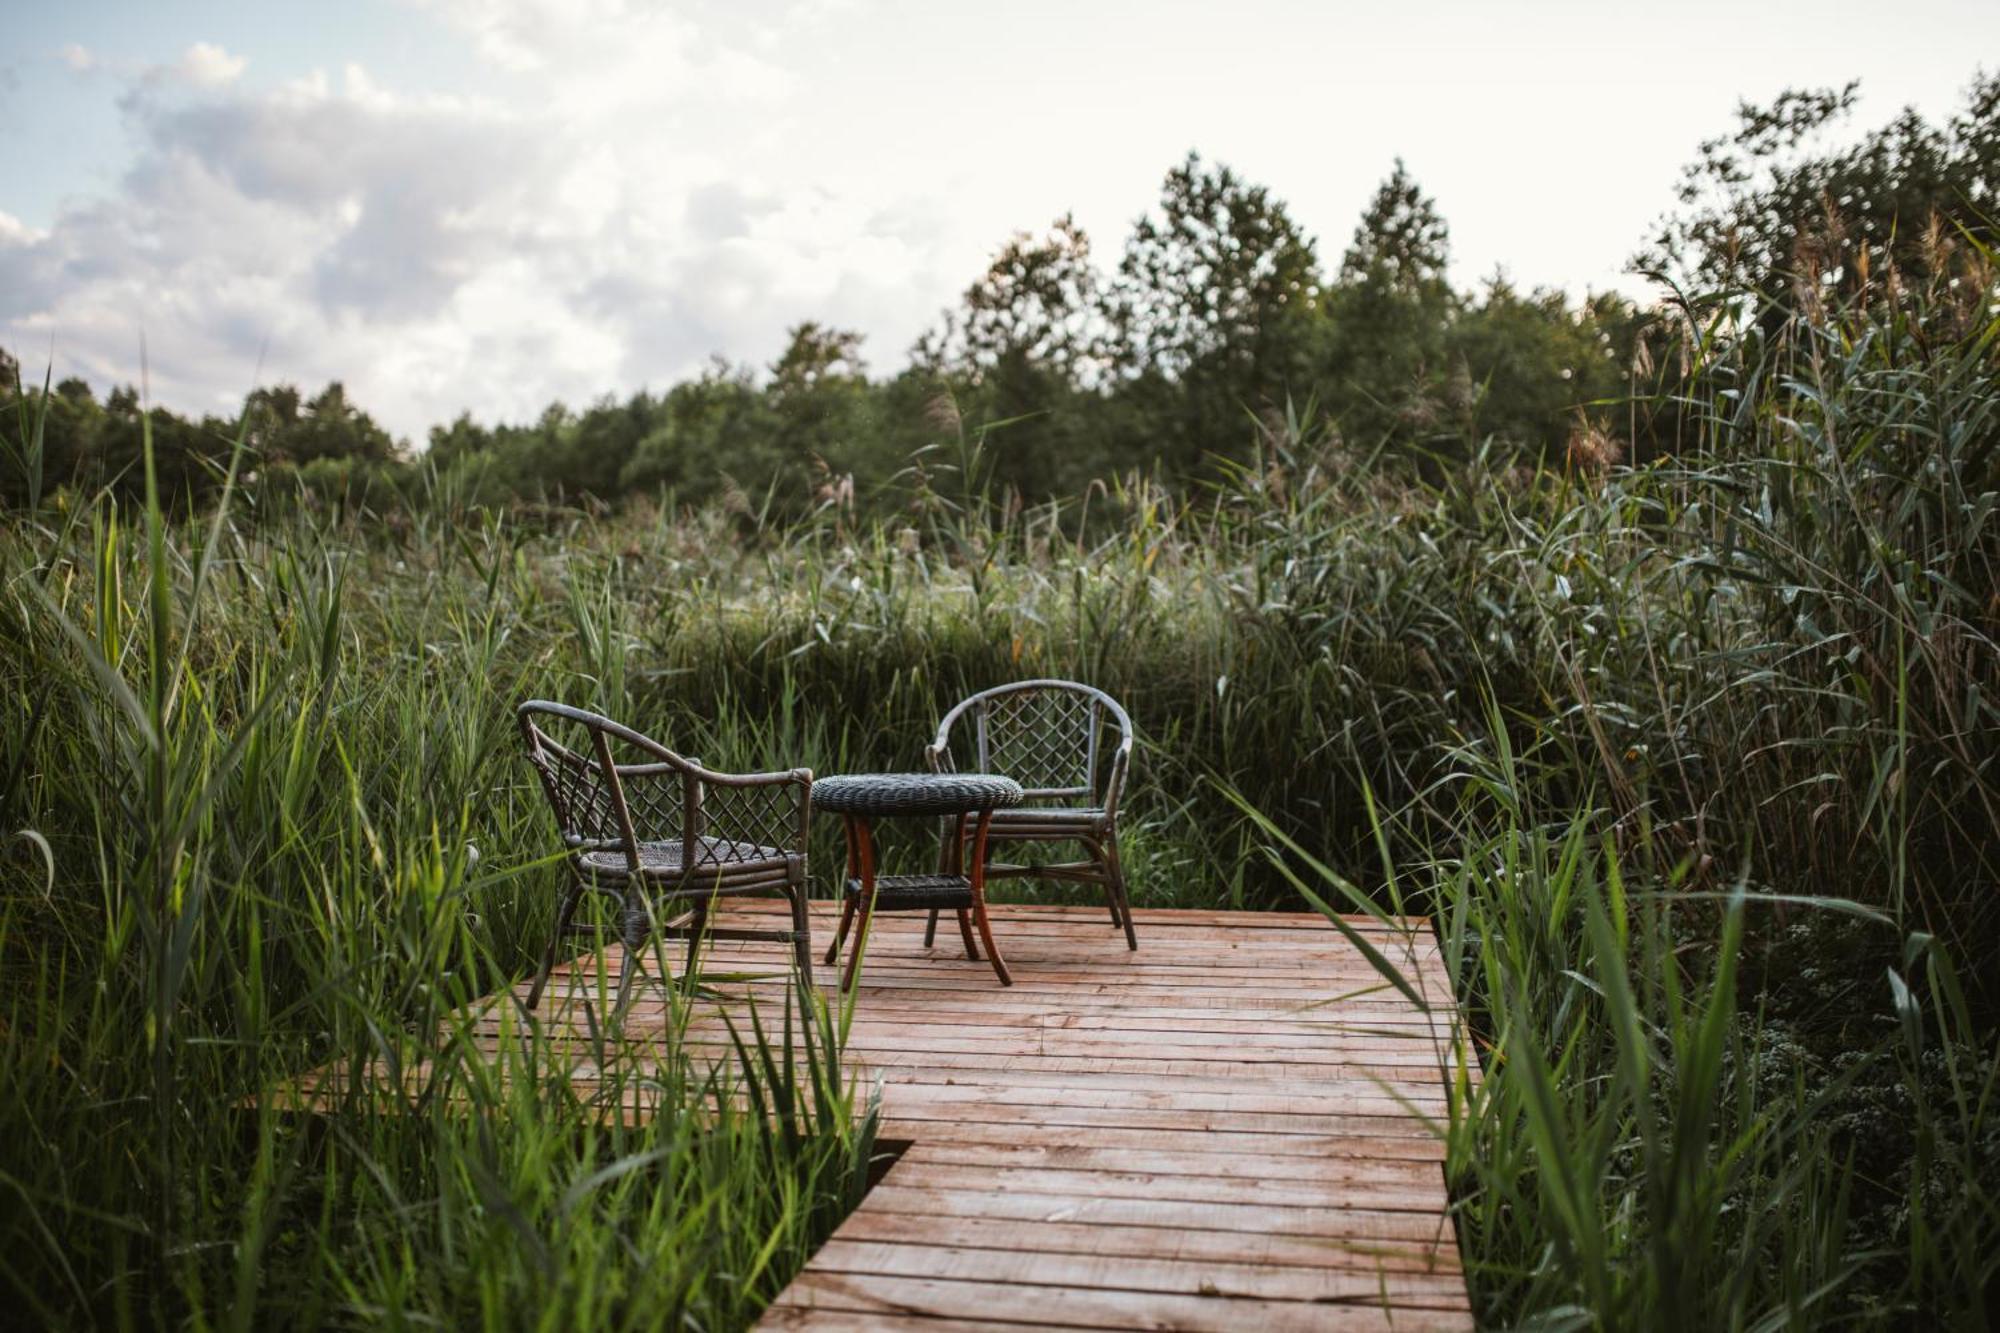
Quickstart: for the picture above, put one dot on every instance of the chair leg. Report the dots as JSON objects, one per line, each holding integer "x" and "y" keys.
{"x": 637, "y": 927}
{"x": 802, "y": 930}
{"x": 951, "y": 855}
{"x": 1110, "y": 893}
{"x": 840, "y": 935}
{"x": 564, "y": 911}
{"x": 965, "y": 933}
{"x": 1104, "y": 866}
{"x": 846, "y": 902}
{"x": 695, "y": 932}
{"x": 1122, "y": 903}
{"x": 860, "y": 939}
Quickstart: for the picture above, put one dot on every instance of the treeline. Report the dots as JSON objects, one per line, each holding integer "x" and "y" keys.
{"x": 1218, "y": 321}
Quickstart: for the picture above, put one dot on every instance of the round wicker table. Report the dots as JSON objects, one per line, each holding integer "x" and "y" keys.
{"x": 862, "y": 798}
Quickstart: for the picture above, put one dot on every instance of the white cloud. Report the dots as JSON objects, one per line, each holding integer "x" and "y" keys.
{"x": 78, "y": 57}
{"x": 209, "y": 66}
{"x": 591, "y": 233}
{"x": 13, "y": 231}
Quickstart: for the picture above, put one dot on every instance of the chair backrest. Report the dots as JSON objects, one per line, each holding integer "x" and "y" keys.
{"x": 601, "y": 803}
{"x": 1048, "y": 736}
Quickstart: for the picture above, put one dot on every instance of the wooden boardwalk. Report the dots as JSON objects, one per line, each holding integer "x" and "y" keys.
{"x": 1225, "y": 1130}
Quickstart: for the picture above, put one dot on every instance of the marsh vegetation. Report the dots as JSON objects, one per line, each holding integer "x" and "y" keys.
{"x": 1689, "y": 758}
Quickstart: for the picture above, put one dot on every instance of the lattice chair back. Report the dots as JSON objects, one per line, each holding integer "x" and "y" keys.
{"x": 610, "y": 787}
{"x": 1047, "y": 735}
{"x": 615, "y": 790}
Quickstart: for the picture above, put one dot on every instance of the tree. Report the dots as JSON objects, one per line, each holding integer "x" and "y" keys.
{"x": 284, "y": 428}
{"x": 1027, "y": 337}
{"x": 188, "y": 456}
{"x": 597, "y": 447}
{"x": 1537, "y": 362}
{"x": 1223, "y": 274}
{"x": 1212, "y": 312}
{"x": 819, "y": 392}
{"x": 710, "y": 428}
{"x": 1386, "y": 370}
{"x": 1780, "y": 199}
{"x": 1038, "y": 303}
{"x": 1401, "y": 243}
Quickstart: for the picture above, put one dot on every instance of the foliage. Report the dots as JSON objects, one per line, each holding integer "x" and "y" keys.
{"x": 1621, "y": 732}
{"x": 1028, "y": 348}
{"x": 251, "y": 774}
{"x": 1782, "y": 198}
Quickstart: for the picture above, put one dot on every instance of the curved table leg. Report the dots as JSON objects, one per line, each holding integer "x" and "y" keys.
{"x": 846, "y": 903}
{"x": 954, "y": 859}
{"x": 863, "y": 849}
{"x": 978, "y": 877}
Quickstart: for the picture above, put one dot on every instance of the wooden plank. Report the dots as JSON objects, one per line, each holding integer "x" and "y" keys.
{"x": 870, "y": 1321}
{"x": 971, "y": 1134}
{"x": 1295, "y": 1048}
{"x": 911, "y": 1117}
{"x": 1403, "y": 1194}
{"x": 1310, "y": 1060}
{"x": 916, "y": 980}
{"x": 1214, "y": 1077}
{"x": 1268, "y": 1249}
{"x": 890, "y": 1013}
{"x": 1182, "y": 1275}
{"x": 1323, "y": 1099}
{"x": 1199, "y": 920}
{"x": 1328, "y": 1222}
{"x": 1323, "y": 1169}
{"x": 1084, "y": 1307}
{"x": 1397, "y": 1089}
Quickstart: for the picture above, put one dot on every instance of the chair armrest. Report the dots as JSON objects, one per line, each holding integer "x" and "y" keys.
{"x": 767, "y": 809}
{"x": 939, "y": 752}
{"x": 1114, "y": 784}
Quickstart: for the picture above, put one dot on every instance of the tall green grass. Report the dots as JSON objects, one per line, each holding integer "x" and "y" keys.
{"x": 273, "y": 818}
{"x": 1690, "y": 764}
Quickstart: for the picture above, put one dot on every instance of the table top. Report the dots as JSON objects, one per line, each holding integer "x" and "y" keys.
{"x": 913, "y": 793}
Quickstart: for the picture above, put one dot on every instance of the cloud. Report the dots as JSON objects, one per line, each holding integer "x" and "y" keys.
{"x": 78, "y": 57}
{"x": 13, "y": 231}
{"x": 581, "y": 227}
{"x": 209, "y": 66}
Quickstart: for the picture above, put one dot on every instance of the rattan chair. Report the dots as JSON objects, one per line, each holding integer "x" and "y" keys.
{"x": 1051, "y": 737}
{"x": 664, "y": 837}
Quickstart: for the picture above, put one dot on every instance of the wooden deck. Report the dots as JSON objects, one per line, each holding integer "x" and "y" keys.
{"x": 1225, "y": 1130}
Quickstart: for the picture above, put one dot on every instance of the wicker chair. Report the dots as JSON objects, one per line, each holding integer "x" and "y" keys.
{"x": 1048, "y": 735}
{"x": 656, "y": 831}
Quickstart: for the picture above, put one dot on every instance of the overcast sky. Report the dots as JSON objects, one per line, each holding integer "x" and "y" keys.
{"x": 488, "y": 204}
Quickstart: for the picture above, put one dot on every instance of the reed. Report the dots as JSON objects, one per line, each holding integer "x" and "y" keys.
{"x": 1690, "y": 763}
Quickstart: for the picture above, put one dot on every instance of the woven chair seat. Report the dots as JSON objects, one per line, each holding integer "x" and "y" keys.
{"x": 916, "y": 893}
{"x": 1058, "y": 820}
{"x": 871, "y": 794}
{"x": 663, "y": 859}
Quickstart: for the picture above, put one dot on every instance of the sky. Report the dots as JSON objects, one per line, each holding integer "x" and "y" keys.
{"x": 488, "y": 205}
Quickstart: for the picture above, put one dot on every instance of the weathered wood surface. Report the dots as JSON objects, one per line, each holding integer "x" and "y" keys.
{"x": 1225, "y": 1130}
